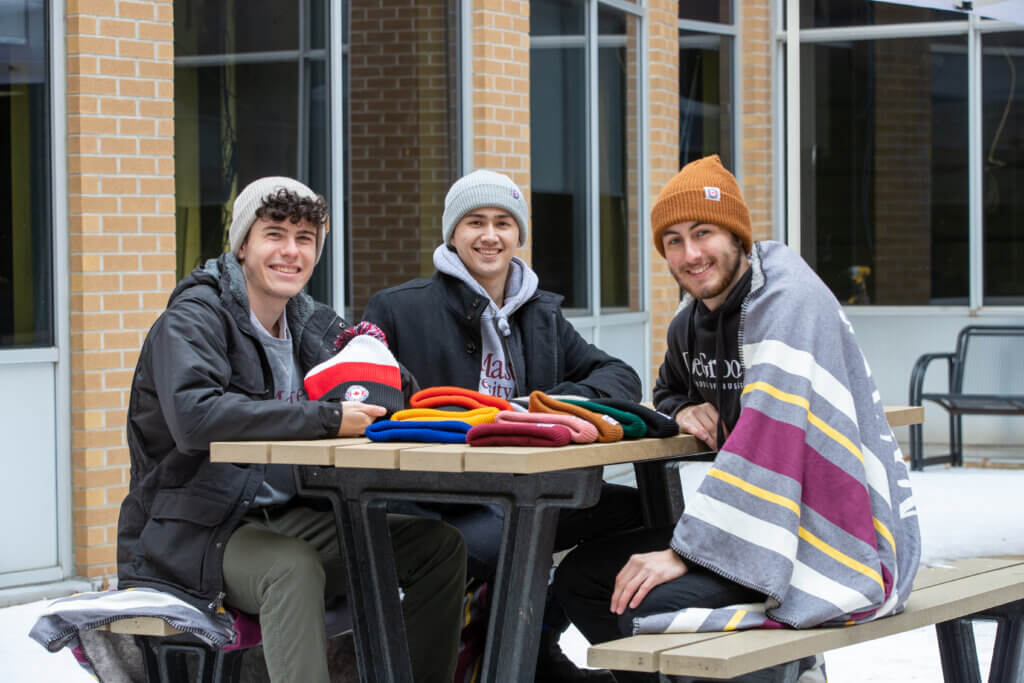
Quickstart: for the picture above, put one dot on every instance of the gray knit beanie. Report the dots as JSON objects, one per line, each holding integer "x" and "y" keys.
{"x": 479, "y": 190}
{"x": 250, "y": 200}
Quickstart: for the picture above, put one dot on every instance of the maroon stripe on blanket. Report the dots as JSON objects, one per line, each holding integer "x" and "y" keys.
{"x": 829, "y": 491}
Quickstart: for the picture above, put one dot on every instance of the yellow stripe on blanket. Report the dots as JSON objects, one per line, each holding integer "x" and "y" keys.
{"x": 811, "y": 417}
{"x": 755, "y": 490}
{"x": 842, "y": 558}
{"x": 735, "y": 621}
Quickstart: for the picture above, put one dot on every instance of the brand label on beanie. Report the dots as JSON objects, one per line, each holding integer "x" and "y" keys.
{"x": 713, "y": 193}
{"x": 357, "y": 392}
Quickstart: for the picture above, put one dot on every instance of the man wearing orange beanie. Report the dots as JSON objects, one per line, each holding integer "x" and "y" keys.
{"x": 762, "y": 365}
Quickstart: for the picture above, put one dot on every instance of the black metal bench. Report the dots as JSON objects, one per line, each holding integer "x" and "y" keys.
{"x": 963, "y": 399}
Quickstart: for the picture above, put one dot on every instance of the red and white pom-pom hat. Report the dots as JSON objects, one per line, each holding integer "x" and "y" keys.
{"x": 363, "y": 370}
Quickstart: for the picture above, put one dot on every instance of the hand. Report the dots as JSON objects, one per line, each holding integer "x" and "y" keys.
{"x": 701, "y": 420}
{"x": 356, "y": 417}
{"x": 642, "y": 573}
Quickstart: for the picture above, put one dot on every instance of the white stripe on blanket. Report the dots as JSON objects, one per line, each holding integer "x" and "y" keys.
{"x": 741, "y": 524}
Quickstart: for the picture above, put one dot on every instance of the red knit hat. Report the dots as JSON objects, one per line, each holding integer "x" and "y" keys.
{"x": 363, "y": 370}
{"x": 703, "y": 191}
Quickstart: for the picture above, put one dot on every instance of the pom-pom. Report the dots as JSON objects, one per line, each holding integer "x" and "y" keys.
{"x": 368, "y": 328}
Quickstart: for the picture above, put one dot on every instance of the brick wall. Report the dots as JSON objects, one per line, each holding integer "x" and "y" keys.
{"x": 401, "y": 142}
{"x": 663, "y": 124}
{"x": 501, "y": 90}
{"x": 120, "y": 122}
{"x": 755, "y": 122}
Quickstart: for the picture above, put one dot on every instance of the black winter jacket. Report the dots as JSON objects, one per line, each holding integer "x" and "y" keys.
{"x": 203, "y": 376}
{"x": 433, "y": 328}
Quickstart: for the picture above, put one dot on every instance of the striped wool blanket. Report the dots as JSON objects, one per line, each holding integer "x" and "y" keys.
{"x": 808, "y": 500}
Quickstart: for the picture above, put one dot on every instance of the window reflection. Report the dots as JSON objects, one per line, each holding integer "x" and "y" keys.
{"x": 705, "y": 97}
{"x": 26, "y": 290}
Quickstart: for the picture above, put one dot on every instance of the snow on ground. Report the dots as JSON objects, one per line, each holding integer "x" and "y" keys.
{"x": 963, "y": 513}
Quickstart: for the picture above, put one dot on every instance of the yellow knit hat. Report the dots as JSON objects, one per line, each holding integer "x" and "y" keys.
{"x": 703, "y": 191}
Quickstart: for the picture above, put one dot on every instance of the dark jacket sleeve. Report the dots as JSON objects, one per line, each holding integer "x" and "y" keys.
{"x": 591, "y": 372}
{"x": 192, "y": 373}
{"x": 672, "y": 388}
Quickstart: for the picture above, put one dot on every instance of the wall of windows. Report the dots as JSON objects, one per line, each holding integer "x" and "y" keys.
{"x": 901, "y": 143}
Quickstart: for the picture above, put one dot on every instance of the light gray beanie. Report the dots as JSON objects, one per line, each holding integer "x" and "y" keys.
{"x": 249, "y": 200}
{"x": 479, "y": 190}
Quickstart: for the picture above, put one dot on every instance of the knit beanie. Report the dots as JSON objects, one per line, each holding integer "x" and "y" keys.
{"x": 456, "y": 397}
{"x": 632, "y": 426}
{"x": 608, "y": 428}
{"x": 363, "y": 370}
{"x": 249, "y": 201}
{"x": 703, "y": 191}
{"x": 659, "y": 425}
{"x": 582, "y": 431}
{"x": 477, "y": 416}
{"x": 511, "y": 434}
{"x": 426, "y": 432}
{"x": 480, "y": 190}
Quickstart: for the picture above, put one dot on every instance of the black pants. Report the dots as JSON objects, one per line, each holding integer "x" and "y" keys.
{"x": 585, "y": 581}
{"x": 616, "y": 511}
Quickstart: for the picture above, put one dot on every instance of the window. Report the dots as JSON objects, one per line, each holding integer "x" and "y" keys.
{"x": 890, "y": 212}
{"x": 707, "y": 66}
{"x": 26, "y": 229}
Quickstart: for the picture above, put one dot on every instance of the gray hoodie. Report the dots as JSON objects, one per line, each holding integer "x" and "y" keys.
{"x": 496, "y": 377}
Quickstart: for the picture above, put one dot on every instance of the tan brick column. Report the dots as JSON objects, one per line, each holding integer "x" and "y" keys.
{"x": 501, "y": 89}
{"x": 755, "y": 122}
{"x": 663, "y": 123}
{"x": 120, "y": 122}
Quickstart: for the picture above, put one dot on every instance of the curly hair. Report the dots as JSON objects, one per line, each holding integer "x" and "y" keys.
{"x": 285, "y": 205}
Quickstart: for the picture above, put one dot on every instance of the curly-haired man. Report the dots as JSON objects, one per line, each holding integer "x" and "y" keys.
{"x": 225, "y": 362}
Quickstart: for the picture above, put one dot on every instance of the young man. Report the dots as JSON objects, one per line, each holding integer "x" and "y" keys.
{"x": 482, "y": 323}
{"x": 806, "y": 516}
{"x": 226, "y": 362}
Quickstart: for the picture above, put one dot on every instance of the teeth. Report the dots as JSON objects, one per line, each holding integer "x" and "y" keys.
{"x": 702, "y": 270}
{"x": 285, "y": 269}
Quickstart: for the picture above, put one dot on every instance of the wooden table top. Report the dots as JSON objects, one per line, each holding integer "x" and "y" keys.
{"x": 361, "y": 452}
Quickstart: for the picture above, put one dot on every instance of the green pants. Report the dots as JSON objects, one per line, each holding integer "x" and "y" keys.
{"x": 282, "y": 565}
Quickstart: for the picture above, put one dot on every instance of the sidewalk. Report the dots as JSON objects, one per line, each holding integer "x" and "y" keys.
{"x": 964, "y": 513}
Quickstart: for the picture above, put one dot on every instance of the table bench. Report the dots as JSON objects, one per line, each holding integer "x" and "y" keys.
{"x": 961, "y": 399}
{"x": 531, "y": 484}
{"x": 948, "y": 597}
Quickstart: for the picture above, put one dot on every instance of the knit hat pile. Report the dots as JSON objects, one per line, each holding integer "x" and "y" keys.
{"x": 608, "y": 428}
{"x": 428, "y": 432}
{"x": 456, "y": 397}
{"x": 580, "y": 430}
{"x": 659, "y": 425}
{"x": 632, "y": 426}
{"x": 480, "y": 190}
{"x": 702, "y": 191}
{"x": 249, "y": 201}
{"x": 519, "y": 434}
{"x": 363, "y": 370}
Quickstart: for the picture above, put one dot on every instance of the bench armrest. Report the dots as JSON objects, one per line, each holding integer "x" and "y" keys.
{"x": 921, "y": 366}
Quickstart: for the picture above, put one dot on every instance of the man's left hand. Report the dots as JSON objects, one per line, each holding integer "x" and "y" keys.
{"x": 642, "y": 573}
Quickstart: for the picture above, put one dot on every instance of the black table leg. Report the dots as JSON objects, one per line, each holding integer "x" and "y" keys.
{"x": 958, "y": 652}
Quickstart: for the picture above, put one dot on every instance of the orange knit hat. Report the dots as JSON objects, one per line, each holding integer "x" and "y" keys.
{"x": 703, "y": 191}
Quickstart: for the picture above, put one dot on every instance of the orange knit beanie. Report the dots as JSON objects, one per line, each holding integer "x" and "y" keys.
{"x": 703, "y": 191}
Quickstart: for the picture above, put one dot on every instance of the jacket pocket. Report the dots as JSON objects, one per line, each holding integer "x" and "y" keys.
{"x": 178, "y": 536}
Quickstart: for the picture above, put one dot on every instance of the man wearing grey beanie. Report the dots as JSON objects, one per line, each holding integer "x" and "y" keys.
{"x": 481, "y": 323}
{"x": 226, "y": 362}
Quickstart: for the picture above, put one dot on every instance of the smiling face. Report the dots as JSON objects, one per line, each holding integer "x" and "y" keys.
{"x": 705, "y": 259}
{"x": 485, "y": 240}
{"x": 277, "y": 258}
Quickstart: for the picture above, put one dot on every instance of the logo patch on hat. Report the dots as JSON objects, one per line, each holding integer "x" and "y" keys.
{"x": 515, "y": 194}
{"x": 357, "y": 392}
{"x": 713, "y": 193}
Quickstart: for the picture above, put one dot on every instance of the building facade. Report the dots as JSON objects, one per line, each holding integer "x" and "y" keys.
{"x": 885, "y": 143}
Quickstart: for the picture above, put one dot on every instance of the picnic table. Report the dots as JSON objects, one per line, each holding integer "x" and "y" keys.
{"x": 530, "y": 484}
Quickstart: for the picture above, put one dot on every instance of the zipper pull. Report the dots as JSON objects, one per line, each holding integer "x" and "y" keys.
{"x": 218, "y": 604}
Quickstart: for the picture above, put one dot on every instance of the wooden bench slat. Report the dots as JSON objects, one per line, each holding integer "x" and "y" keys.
{"x": 247, "y": 452}
{"x": 141, "y": 626}
{"x": 940, "y": 594}
{"x": 902, "y": 416}
{"x": 531, "y": 460}
{"x": 448, "y": 457}
{"x": 315, "y": 452}
{"x": 373, "y": 454}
